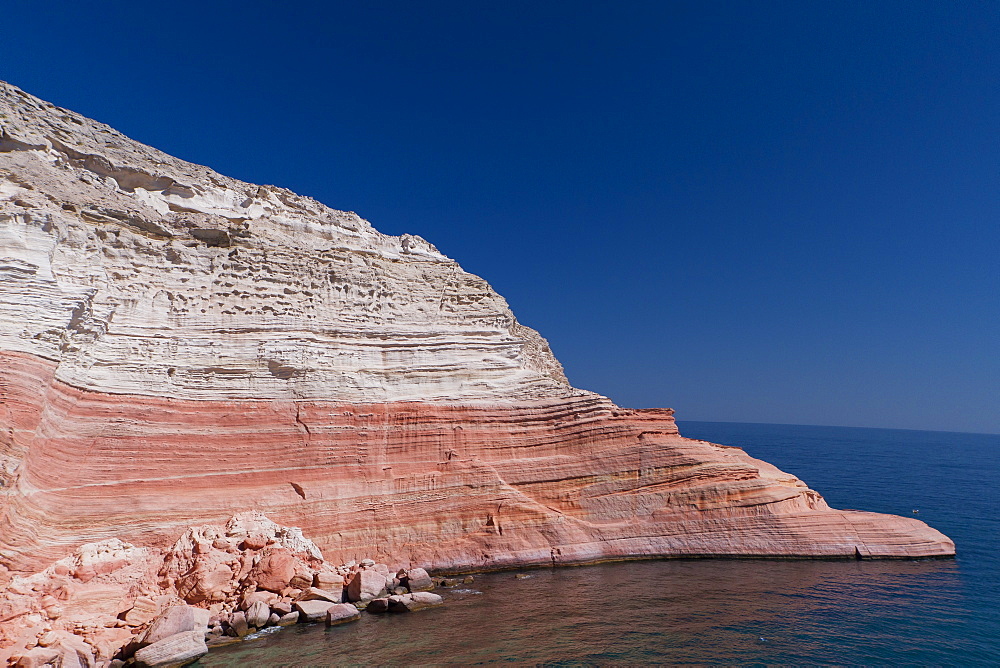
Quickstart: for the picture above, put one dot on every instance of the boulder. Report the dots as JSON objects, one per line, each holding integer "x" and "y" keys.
{"x": 289, "y": 619}
{"x": 210, "y": 580}
{"x": 317, "y": 594}
{"x": 48, "y": 639}
{"x": 176, "y": 619}
{"x": 303, "y": 578}
{"x": 107, "y": 643}
{"x": 328, "y": 579}
{"x": 257, "y": 614}
{"x": 426, "y": 598}
{"x": 176, "y": 650}
{"x": 38, "y": 657}
{"x": 249, "y": 599}
{"x": 275, "y": 570}
{"x": 378, "y": 605}
{"x": 255, "y": 541}
{"x": 313, "y": 611}
{"x": 64, "y": 650}
{"x": 341, "y": 613}
{"x": 413, "y": 602}
{"x": 281, "y": 607}
{"x": 399, "y": 603}
{"x": 365, "y": 585}
{"x": 238, "y": 624}
{"x": 143, "y": 611}
{"x": 417, "y": 579}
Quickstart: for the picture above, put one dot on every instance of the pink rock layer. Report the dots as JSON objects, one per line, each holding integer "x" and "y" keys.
{"x": 444, "y": 486}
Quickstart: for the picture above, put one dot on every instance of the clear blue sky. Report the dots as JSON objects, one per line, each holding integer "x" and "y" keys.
{"x": 761, "y": 211}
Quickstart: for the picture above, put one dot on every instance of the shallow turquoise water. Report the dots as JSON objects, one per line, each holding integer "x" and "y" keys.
{"x": 715, "y": 611}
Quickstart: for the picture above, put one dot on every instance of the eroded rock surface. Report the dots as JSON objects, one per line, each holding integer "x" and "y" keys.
{"x": 177, "y": 346}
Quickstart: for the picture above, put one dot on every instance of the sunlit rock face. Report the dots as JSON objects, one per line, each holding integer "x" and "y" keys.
{"x": 177, "y": 346}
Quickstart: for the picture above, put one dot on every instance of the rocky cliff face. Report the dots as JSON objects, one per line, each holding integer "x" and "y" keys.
{"x": 177, "y": 346}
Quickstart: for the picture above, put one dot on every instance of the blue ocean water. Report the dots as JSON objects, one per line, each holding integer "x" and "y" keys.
{"x": 929, "y": 612}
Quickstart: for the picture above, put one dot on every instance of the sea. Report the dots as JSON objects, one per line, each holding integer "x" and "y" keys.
{"x": 712, "y": 611}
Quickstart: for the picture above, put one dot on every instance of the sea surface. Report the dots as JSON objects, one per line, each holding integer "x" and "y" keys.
{"x": 929, "y": 612}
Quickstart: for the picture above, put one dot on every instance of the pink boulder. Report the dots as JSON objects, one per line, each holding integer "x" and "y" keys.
{"x": 275, "y": 570}
{"x": 365, "y": 585}
{"x": 417, "y": 579}
{"x": 342, "y": 613}
{"x": 174, "y": 620}
{"x": 313, "y": 611}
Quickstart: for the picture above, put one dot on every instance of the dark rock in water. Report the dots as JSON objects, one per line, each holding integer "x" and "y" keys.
{"x": 521, "y": 576}
{"x": 399, "y": 603}
{"x": 449, "y": 582}
{"x": 378, "y": 605}
{"x": 468, "y": 579}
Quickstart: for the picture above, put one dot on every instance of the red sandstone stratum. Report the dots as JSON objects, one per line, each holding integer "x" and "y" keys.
{"x": 178, "y": 347}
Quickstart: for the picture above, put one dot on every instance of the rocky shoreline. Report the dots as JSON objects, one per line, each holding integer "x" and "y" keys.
{"x": 112, "y": 604}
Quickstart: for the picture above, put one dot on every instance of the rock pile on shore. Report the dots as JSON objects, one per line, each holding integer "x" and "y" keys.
{"x": 111, "y": 603}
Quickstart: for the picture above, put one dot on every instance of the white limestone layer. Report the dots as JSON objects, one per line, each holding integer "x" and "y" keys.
{"x": 140, "y": 273}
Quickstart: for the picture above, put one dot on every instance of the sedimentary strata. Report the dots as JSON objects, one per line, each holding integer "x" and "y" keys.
{"x": 177, "y": 347}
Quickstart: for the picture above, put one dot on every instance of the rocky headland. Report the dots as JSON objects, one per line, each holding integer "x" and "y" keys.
{"x": 179, "y": 349}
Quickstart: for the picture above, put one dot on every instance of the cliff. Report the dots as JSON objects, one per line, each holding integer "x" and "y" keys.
{"x": 177, "y": 347}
